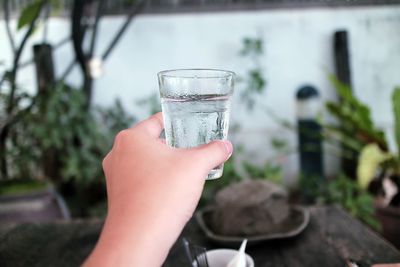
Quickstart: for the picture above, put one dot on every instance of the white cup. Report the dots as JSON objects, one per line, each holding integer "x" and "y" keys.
{"x": 221, "y": 257}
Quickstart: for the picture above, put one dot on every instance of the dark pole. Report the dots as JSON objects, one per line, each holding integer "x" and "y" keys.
{"x": 43, "y": 58}
{"x": 309, "y": 137}
{"x": 343, "y": 73}
{"x": 78, "y": 34}
{"x": 342, "y": 57}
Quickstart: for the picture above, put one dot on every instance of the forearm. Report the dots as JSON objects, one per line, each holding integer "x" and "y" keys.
{"x": 134, "y": 238}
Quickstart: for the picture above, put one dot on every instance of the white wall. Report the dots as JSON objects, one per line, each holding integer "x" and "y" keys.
{"x": 298, "y": 51}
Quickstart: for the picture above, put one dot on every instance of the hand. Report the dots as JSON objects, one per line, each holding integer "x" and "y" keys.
{"x": 152, "y": 191}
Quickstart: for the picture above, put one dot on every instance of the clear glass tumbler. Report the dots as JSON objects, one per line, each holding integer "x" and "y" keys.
{"x": 196, "y": 107}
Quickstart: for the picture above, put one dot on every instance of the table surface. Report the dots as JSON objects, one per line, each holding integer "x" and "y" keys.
{"x": 331, "y": 237}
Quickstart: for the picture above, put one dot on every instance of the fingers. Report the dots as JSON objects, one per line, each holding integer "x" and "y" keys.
{"x": 106, "y": 162}
{"x": 153, "y": 125}
{"x": 213, "y": 154}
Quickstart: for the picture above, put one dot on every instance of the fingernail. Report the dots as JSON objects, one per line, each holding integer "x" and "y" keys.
{"x": 228, "y": 147}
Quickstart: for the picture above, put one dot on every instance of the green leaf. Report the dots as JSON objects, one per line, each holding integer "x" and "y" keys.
{"x": 252, "y": 46}
{"x": 370, "y": 158}
{"x": 396, "y": 112}
{"x": 345, "y": 192}
{"x": 351, "y": 104}
{"x": 56, "y": 6}
{"x": 337, "y": 133}
{"x": 256, "y": 81}
{"x": 29, "y": 14}
{"x": 279, "y": 143}
{"x": 253, "y": 171}
{"x": 355, "y": 116}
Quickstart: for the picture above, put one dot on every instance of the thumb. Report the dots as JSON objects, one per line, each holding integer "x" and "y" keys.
{"x": 213, "y": 153}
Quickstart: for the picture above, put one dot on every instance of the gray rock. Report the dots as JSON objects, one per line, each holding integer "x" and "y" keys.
{"x": 249, "y": 208}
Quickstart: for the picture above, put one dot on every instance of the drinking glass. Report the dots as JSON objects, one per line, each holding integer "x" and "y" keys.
{"x": 196, "y": 107}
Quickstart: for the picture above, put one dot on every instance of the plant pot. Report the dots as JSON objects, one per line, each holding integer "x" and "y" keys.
{"x": 389, "y": 218}
{"x": 30, "y": 202}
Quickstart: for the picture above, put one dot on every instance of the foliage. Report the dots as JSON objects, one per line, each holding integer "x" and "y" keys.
{"x": 56, "y": 6}
{"x": 345, "y": 192}
{"x": 254, "y": 81}
{"x": 271, "y": 172}
{"x": 23, "y": 186}
{"x": 83, "y": 139}
{"x": 370, "y": 158}
{"x": 349, "y": 195}
{"x": 13, "y": 100}
{"x": 252, "y": 46}
{"x": 60, "y": 126}
{"x": 29, "y": 13}
{"x": 114, "y": 119}
{"x": 33, "y": 126}
{"x": 357, "y": 128}
{"x": 359, "y": 134}
{"x": 76, "y": 140}
{"x": 311, "y": 187}
{"x": 59, "y": 122}
{"x": 21, "y": 160}
{"x": 54, "y": 127}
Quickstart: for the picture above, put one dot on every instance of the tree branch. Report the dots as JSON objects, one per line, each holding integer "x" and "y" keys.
{"x": 62, "y": 42}
{"x": 78, "y": 32}
{"x": 6, "y": 7}
{"x": 3, "y": 78}
{"x": 46, "y": 21}
{"x": 99, "y": 12}
{"x": 133, "y": 12}
{"x": 14, "y": 117}
{"x": 17, "y": 57}
{"x": 67, "y": 71}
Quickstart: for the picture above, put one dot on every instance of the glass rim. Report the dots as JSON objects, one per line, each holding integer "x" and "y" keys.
{"x": 170, "y": 73}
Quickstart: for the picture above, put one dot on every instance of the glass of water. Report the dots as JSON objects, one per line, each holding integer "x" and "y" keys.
{"x": 196, "y": 107}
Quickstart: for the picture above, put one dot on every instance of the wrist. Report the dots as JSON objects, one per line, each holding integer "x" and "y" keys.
{"x": 134, "y": 238}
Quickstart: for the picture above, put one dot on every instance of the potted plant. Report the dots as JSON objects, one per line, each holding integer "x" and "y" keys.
{"x": 379, "y": 171}
{"x": 53, "y": 140}
{"x": 25, "y": 198}
{"x": 378, "y": 168}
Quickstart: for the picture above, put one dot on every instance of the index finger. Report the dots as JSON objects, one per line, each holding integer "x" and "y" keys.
{"x": 153, "y": 125}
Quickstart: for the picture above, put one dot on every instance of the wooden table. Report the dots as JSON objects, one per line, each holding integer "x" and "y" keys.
{"x": 331, "y": 237}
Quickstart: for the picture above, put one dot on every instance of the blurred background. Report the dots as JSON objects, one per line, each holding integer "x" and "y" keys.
{"x": 315, "y": 108}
